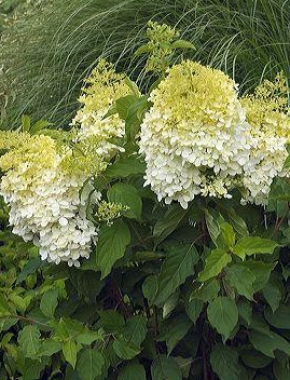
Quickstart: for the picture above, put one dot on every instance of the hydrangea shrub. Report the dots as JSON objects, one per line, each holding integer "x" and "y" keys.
{"x": 155, "y": 230}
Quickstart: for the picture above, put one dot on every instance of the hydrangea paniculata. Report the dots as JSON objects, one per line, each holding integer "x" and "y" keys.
{"x": 194, "y": 138}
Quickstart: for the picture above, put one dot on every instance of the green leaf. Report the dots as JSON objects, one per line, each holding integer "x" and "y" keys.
{"x": 252, "y": 245}
{"x": 281, "y": 370}
{"x": 25, "y": 123}
{"x": 29, "y": 341}
{"x": 177, "y": 266}
{"x": 169, "y": 223}
{"x": 227, "y": 236}
{"x": 171, "y": 303}
{"x": 49, "y": 302}
{"x": 150, "y": 288}
{"x": 133, "y": 86}
{"x": 29, "y": 268}
{"x": 280, "y": 318}
{"x": 165, "y": 368}
{"x": 132, "y": 371}
{"x": 223, "y": 315}
{"x": 193, "y": 308}
{"x": 32, "y": 370}
{"x": 143, "y": 49}
{"x": 261, "y": 271}
{"x": 272, "y": 294}
{"x": 255, "y": 359}
{"x": 238, "y": 223}
{"x": 111, "y": 245}
{"x": 177, "y": 328}
{"x": 49, "y": 347}
{"x": 127, "y": 195}
{"x": 214, "y": 264}
{"x": 207, "y": 291}
{"x": 88, "y": 337}
{"x": 184, "y": 365}
{"x": 245, "y": 310}
{"x": 123, "y": 104}
{"x": 224, "y": 362}
{"x": 242, "y": 279}
{"x": 213, "y": 227}
{"x": 135, "y": 330}
{"x": 268, "y": 342}
{"x": 90, "y": 364}
{"x": 125, "y": 350}
{"x": 182, "y": 44}
{"x": 111, "y": 321}
{"x": 125, "y": 167}
{"x": 70, "y": 350}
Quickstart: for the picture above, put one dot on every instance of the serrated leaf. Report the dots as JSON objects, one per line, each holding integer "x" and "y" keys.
{"x": 223, "y": 315}
{"x": 48, "y": 303}
{"x": 70, "y": 350}
{"x": 132, "y": 371}
{"x": 122, "y": 104}
{"x": 125, "y": 350}
{"x": 252, "y": 245}
{"x": 165, "y": 368}
{"x": 90, "y": 364}
{"x": 169, "y": 223}
{"x": 126, "y": 195}
{"x": 32, "y": 370}
{"x": 214, "y": 264}
{"x": 268, "y": 342}
{"x": 88, "y": 337}
{"x": 224, "y": 362}
{"x": 111, "y": 245}
{"x": 242, "y": 279}
{"x": 29, "y": 341}
{"x": 177, "y": 266}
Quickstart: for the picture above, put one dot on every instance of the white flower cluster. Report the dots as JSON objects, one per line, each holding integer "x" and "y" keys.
{"x": 197, "y": 139}
{"x": 46, "y": 206}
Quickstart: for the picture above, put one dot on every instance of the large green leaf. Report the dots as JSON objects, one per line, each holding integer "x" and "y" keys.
{"x": 281, "y": 369}
{"x": 124, "y": 349}
{"x": 251, "y": 245}
{"x": 29, "y": 341}
{"x": 242, "y": 279}
{"x": 169, "y": 223}
{"x": 211, "y": 218}
{"x": 125, "y": 167}
{"x": 280, "y": 318}
{"x": 261, "y": 271}
{"x": 206, "y": 291}
{"x": 223, "y": 315}
{"x": 111, "y": 245}
{"x": 216, "y": 261}
{"x": 127, "y": 195}
{"x": 177, "y": 266}
{"x": 272, "y": 293}
{"x": 177, "y": 328}
{"x": 193, "y": 308}
{"x": 90, "y": 364}
{"x": 132, "y": 371}
{"x": 224, "y": 362}
{"x": 165, "y": 368}
{"x": 268, "y": 342}
{"x": 111, "y": 321}
{"x": 49, "y": 302}
{"x": 135, "y": 329}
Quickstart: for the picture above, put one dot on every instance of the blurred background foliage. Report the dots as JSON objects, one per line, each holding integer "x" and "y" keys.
{"x": 51, "y": 46}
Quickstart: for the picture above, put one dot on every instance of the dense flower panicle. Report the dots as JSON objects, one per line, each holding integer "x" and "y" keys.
{"x": 269, "y": 117}
{"x": 104, "y": 86}
{"x": 46, "y": 206}
{"x": 194, "y": 138}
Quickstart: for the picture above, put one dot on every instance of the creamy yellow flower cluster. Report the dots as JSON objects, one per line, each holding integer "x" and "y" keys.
{"x": 199, "y": 138}
{"x": 47, "y": 176}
